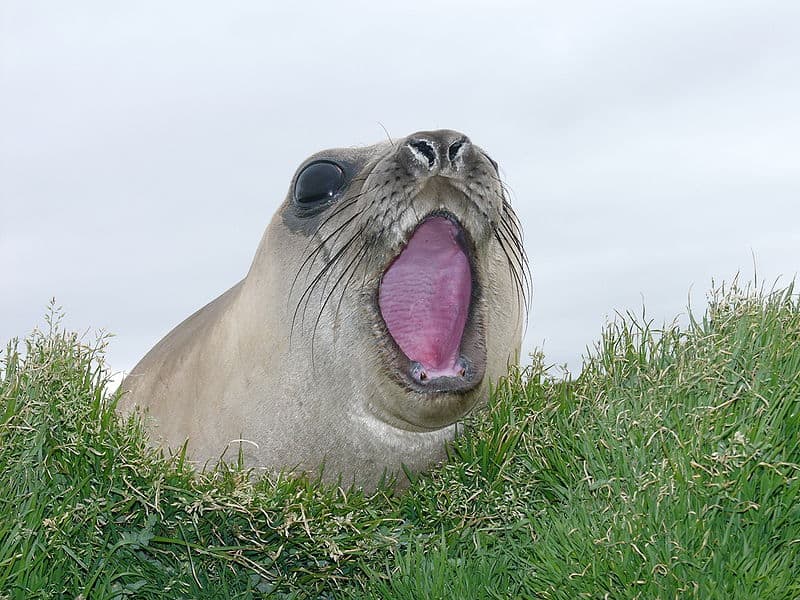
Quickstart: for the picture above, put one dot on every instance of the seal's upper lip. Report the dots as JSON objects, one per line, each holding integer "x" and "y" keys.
{"x": 425, "y": 299}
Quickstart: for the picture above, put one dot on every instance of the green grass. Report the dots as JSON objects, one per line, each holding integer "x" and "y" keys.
{"x": 669, "y": 469}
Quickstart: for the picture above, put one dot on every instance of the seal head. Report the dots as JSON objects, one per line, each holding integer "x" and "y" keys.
{"x": 388, "y": 290}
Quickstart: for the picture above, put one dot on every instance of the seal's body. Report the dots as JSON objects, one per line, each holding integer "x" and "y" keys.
{"x": 387, "y": 292}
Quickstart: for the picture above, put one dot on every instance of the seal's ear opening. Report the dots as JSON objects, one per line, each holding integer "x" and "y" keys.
{"x": 318, "y": 184}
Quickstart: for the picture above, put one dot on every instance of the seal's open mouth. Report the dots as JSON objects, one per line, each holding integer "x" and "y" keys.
{"x": 424, "y": 299}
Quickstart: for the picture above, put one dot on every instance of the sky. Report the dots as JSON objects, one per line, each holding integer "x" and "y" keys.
{"x": 651, "y": 147}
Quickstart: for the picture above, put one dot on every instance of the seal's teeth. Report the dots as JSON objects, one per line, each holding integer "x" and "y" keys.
{"x": 462, "y": 362}
{"x": 418, "y": 372}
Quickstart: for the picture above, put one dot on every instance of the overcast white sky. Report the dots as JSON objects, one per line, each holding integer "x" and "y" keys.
{"x": 144, "y": 146}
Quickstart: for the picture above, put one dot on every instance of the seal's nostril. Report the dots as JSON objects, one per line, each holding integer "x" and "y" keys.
{"x": 426, "y": 149}
{"x": 455, "y": 148}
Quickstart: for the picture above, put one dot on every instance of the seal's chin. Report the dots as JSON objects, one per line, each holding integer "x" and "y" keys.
{"x": 425, "y": 298}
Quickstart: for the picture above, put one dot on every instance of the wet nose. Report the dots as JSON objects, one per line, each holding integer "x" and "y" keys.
{"x": 436, "y": 150}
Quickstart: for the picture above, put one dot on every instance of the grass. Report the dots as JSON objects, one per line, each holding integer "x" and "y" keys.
{"x": 669, "y": 469}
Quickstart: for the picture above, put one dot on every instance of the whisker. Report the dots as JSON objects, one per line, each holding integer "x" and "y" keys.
{"x": 508, "y": 233}
{"x": 317, "y": 250}
{"x": 515, "y": 276}
{"x": 520, "y": 265}
{"x": 344, "y": 272}
{"x": 308, "y": 291}
{"x": 370, "y": 243}
{"x": 311, "y": 258}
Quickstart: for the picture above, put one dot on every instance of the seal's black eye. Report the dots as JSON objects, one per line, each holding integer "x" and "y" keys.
{"x": 318, "y": 183}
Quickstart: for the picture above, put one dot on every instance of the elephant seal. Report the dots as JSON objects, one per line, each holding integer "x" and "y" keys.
{"x": 388, "y": 290}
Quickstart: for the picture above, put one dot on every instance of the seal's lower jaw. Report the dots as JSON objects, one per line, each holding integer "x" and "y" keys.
{"x": 427, "y": 301}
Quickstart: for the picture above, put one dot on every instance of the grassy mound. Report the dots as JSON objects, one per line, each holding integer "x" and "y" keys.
{"x": 669, "y": 469}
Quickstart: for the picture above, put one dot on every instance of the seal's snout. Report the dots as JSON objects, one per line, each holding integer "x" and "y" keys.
{"x": 437, "y": 150}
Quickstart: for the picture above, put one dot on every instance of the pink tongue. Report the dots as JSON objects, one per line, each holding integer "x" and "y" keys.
{"x": 424, "y": 297}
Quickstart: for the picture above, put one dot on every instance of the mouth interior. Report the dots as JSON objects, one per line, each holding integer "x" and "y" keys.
{"x": 424, "y": 298}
